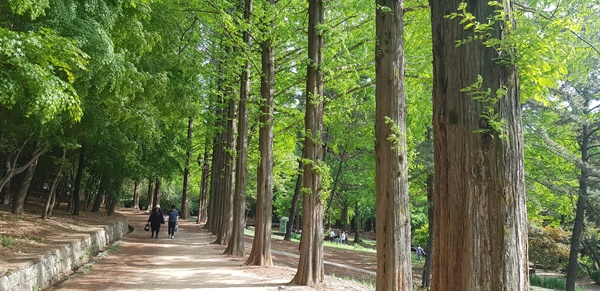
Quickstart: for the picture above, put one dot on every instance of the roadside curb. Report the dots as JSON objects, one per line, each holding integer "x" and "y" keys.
{"x": 71, "y": 252}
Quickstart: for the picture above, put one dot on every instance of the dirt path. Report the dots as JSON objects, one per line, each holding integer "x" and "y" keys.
{"x": 187, "y": 262}
{"x": 191, "y": 262}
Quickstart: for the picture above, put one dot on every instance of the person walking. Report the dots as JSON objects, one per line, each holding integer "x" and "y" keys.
{"x": 420, "y": 252}
{"x": 156, "y": 219}
{"x": 173, "y": 219}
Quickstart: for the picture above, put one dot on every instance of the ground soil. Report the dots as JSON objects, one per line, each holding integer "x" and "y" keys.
{"x": 190, "y": 261}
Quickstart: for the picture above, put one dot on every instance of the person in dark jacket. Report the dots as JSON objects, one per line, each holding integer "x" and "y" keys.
{"x": 173, "y": 219}
{"x": 156, "y": 219}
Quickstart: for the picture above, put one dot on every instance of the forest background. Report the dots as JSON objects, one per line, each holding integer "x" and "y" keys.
{"x": 137, "y": 103}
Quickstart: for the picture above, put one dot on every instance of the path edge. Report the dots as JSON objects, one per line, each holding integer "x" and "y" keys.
{"x": 70, "y": 253}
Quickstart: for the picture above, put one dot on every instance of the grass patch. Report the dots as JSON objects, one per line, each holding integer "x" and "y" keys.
{"x": 6, "y": 240}
{"x": 113, "y": 248}
{"x": 550, "y": 283}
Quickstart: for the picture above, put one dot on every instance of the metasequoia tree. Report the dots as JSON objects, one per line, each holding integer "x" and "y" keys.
{"x": 310, "y": 265}
{"x": 186, "y": 170}
{"x": 261, "y": 245}
{"x": 480, "y": 228}
{"x": 235, "y": 246}
{"x": 393, "y": 220}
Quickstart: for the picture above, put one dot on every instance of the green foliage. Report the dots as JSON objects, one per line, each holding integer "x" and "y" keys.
{"x": 6, "y": 240}
{"x": 34, "y": 8}
{"x": 548, "y": 246}
{"x": 550, "y": 283}
{"x": 596, "y": 276}
{"x": 495, "y": 126}
{"x": 39, "y": 69}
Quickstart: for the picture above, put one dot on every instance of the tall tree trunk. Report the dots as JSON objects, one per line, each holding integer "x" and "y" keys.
{"x": 114, "y": 195}
{"x": 480, "y": 240}
{"x": 76, "y": 200}
{"x": 295, "y": 198}
{"x": 592, "y": 250}
{"x": 261, "y": 245}
{"x": 52, "y": 192}
{"x": 102, "y": 189}
{"x": 156, "y": 199}
{"x": 11, "y": 163}
{"x": 358, "y": 224}
{"x": 573, "y": 266}
{"x": 136, "y": 195}
{"x": 202, "y": 206}
{"x": 394, "y": 269}
{"x": 310, "y": 265}
{"x": 333, "y": 190}
{"x": 427, "y": 268}
{"x": 216, "y": 178}
{"x": 226, "y": 213}
{"x": 186, "y": 171}
{"x": 345, "y": 215}
{"x": 18, "y": 203}
{"x": 6, "y": 191}
{"x": 235, "y": 246}
{"x": 150, "y": 195}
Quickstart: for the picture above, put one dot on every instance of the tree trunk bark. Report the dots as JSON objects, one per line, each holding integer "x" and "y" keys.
{"x": 310, "y": 265}
{"x": 394, "y": 269}
{"x": 480, "y": 240}
{"x": 427, "y": 268}
{"x": 156, "y": 199}
{"x": 226, "y": 213}
{"x": 261, "y": 246}
{"x": 235, "y": 246}
{"x": 186, "y": 172}
{"x": 295, "y": 198}
{"x": 357, "y": 220}
{"x": 593, "y": 253}
{"x": 76, "y": 200}
{"x": 102, "y": 189}
{"x": 136, "y": 195}
{"x": 216, "y": 192}
{"x": 18, "y": 203}
{"x": 202, "y": 206}
{"x": 52, "y": 192}
{"x": 6, "y": 191}
{"x": 150, "y": 195}
{"x": 573, "y": 266}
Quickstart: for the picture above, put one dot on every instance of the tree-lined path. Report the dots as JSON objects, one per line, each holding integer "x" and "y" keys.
{"x": 187, "y": 262}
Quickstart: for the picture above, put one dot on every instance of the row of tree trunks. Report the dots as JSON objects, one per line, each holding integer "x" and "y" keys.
{"x": 150, "y": 195}
{"x": 77, "y": 182}
{"x": 235, "y": 246}
{"x": 186, "y": 171}
{"x": 310, "y": 266}
{"x": 136, "y": 195}
{"x": 213, "y": 221}
{"x": 394, "y": 269}
{"x": 156, "y": 195}
{"x": 480, "y": 227}
{"x": 204, "y": 164}
{"x": 49, "y": 204}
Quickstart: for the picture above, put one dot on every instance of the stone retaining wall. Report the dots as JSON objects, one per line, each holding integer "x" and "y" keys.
{"x": 71, "y": 253}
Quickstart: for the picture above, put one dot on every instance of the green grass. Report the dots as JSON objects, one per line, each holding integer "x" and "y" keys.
{"x": 6, "y": 240}
{"x": 114, "y": 248}
{"x": 550, "y": 283}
